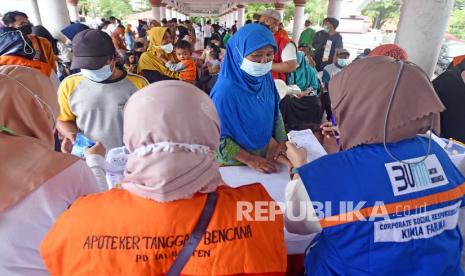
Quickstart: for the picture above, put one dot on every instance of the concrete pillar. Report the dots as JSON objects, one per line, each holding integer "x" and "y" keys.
{"x": 241, "y": 15}
{"x": 73, "y": 10}
{"x": 54, "y": 15}
{"x": 169, "y": 11}
{"x": 421, "y": 29}
{"x": 34, "y": 17}
{"x": 299, "y": 19}
{"x": 174, "y": 13}
{"x": 163, "y": 11}
{"x": 280, "y": 8}
{"x": 335, "y": 8}
{"x": 156, "y": 4}
{"x": 230, "y": 19}
{"x": 235, "y": 15}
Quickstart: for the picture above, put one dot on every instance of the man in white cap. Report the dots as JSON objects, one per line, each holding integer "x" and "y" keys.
{"x": 285, "y": 59}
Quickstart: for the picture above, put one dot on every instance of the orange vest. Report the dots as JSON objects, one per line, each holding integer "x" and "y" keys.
{"x": 282, "y": 38}
{"x": 22, "y": 61}
{"x": 119, "y": 233}
{"x": 190, "y": 73}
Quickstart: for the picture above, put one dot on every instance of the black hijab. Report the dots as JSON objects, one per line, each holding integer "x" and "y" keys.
{"x": 41, "y": 31}
{"x": 451, "y": 90}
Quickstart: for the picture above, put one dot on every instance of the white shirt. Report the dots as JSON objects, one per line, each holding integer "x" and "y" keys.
{"x": 207, "y": 31}
{"x": 295, "y": 194}
{"x": 289, "y": 52}
{"x": 111, "y": 28}
{"x": 25, "y": 224}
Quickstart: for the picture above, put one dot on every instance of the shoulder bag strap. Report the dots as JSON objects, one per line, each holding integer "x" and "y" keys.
{"x": 195, "y": 237}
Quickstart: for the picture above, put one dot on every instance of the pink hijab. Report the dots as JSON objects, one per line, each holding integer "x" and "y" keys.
{"x": 28, "y": 104}
{"x": 171, "y": 130}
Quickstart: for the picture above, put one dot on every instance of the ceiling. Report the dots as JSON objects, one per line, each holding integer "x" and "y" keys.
{"x": 211, "y": 7}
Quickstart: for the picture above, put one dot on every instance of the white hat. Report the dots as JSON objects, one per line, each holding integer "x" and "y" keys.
{"x": 272, "y": 13}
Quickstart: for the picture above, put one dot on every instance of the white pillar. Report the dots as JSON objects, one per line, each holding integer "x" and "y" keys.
{"x": 175, "y": 13}
{"x": 231, "y": 19}
{"x": 156, "y": 13}
{"x": 235, "y": 15}
{"x": 73, "y": 10}
{"x": 169, "y": 11}
{"x": 279, "y": 7}
{"x": 163, "y": 11}
{"x": 34, "y": 17}
{"x": 54, "y": 15}
{"x": 421, "y": 29}
{"x": 335, "y": 8}
{"x": 298, "y": 19}
{"x": 241, "y": 15}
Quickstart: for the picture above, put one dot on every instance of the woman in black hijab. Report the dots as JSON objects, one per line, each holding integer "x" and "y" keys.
{"x": 450, "y": 87}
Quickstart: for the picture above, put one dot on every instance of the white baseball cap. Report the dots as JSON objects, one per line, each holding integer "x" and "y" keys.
{"x": 272, "y": 13}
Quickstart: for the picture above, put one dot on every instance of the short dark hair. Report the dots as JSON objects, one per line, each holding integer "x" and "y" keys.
{"x": 308, "y": 22}
{"x": 333, "y": 21}
{"x": 183, "y": 44}
{"x": 174, "y": 20}
{"x": 248, "y": 21}
{"x": 164, "y": 21}
{"x": 209, "y": 22}
{"x": 10, "y": 17}
{"x": 112, "y": 18}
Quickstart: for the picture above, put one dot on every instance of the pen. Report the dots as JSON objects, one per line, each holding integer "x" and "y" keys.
{"x": 333, "y": 121}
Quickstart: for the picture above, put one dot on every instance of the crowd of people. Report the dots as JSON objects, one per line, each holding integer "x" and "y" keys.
{"x": 182, "y": 111}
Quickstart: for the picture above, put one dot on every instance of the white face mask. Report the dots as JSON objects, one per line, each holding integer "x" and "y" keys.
{"x": 168, "y": 48}
{"x": 256, "y": 69}
{"x": 98, "y": 75}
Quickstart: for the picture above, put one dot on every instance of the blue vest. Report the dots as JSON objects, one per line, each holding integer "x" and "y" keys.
{"x": 415, "y": 232}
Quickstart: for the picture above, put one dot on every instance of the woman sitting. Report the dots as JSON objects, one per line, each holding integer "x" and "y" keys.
{"x": 303, "y": 111}
{"x": 150, "y": 65}
{"x": 37, "y": 183}
{"x": 170, "y": 176}
{"x": 393, "y": 205}
{"x": 248, "y": 103}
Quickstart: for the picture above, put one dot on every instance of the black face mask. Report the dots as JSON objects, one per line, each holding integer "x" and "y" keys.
{"x": 26, "y": 29}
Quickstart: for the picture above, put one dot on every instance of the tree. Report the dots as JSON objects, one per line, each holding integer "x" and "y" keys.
{"x": 382, "y": 11}
{"x": 457, "y": 20}
{"x": 106, "y": 8}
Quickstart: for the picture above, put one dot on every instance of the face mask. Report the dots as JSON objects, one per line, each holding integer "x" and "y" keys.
{"x": 27, "y": 29}
{"x": 168, "y": 48}
{"x": 342, "y": 62}
{"x": 326, "y": 29}
{"x": 254, "y": 68}
{"x": 98, "y": 75}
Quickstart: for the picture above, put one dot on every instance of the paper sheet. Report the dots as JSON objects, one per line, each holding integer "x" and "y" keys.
{"x": 116, "y": 164}
{"x": 275, "y": 184}
{"x": 307, "y": 140}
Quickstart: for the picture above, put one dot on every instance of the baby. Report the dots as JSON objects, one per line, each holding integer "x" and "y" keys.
{"x": 186, "y": 66}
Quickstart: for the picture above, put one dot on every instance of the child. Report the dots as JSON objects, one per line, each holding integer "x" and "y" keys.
{"x": 130, "y": 64}
{"x": 211, "y": 70}
{"x": 213, "y": 62}
{"x": 186, "y": 66}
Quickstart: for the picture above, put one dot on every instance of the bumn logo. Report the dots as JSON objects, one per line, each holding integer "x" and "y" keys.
{"x": 409, "y": 178}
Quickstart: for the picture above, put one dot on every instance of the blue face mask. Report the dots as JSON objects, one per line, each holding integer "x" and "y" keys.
{"x": 98, "y": 75}
{"x": 256, "y": 69}
{"x": 325, "y": 29}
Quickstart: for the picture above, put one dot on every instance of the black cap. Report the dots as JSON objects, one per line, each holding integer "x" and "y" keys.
{"x": 91, "y": 49}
